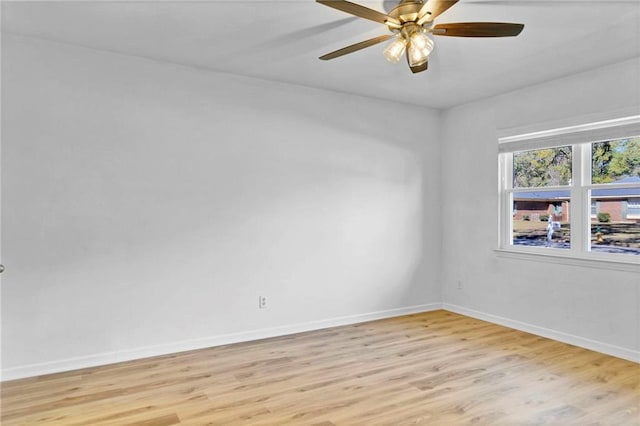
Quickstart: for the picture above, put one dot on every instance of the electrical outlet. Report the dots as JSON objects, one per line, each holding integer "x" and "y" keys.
{"x": 262, "y": 302}
{"x": 460, "y": 285}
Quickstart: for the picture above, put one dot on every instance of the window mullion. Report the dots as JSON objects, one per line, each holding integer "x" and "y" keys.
{"x": 581, "y": 232}
{"x": 587, "y": 161}
{"x": 577, "y": 219}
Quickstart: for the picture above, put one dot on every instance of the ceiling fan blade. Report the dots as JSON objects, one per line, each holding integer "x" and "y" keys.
{"x": 432, "y": 8}
{"x": 355, "y": 47}
{"x": 478, "y": 29}
{"x": 361, "y": 11}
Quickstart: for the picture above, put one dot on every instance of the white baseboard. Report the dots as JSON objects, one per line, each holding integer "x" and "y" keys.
{"x": 207, "y": 342}
{"x": 187, "y": 345}
{"x": 560, "y": 336}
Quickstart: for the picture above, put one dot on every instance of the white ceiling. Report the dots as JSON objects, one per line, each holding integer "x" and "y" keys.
{"x": 281, "y": 41}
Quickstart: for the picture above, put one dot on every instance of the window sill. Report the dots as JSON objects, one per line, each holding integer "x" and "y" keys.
{"x": 555, "y": 256}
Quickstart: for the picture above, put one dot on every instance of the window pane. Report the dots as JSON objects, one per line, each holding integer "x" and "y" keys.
{"x": 541, "y": 219}
{"x": 616, "y": 161}
{"x": 616, "y": 226}
{"x": 542, "y": 167}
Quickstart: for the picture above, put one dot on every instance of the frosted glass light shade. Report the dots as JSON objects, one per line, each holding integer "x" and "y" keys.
{"x": 395, "y": 49}
{"x": 422, "y": 42}
{"x": 420, "y": 46}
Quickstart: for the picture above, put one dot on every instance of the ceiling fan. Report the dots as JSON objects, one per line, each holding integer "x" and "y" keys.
{"x": 410, "y": 22}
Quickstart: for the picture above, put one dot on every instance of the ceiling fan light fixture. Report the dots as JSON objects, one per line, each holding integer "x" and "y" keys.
{"x": 421, "y": 41}
{"x": 395, "y": 49}
{"x": 420, "y": 46}
{"x": 416, "y": 56}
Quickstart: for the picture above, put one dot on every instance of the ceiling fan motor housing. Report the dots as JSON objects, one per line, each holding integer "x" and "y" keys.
{"x": 406, "y": 11}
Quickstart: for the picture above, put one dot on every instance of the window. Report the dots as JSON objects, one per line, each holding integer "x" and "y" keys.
{"x": 540, "y": 190}
{"x": 573, "y": 191}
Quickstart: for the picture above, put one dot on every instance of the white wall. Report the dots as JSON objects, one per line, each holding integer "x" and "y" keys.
{"x": 146, "y": 206}
{"x": 596, "y": 308}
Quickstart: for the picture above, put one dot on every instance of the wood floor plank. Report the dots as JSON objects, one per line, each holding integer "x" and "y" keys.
{"x": 433, "y": 368}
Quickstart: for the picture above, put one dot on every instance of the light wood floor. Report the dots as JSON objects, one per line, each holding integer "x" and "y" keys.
{"x": 436, "y": 368}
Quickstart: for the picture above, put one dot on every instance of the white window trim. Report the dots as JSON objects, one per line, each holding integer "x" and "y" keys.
{"x": 570, "y": 260}
{"x": 569, "y": 135}
{"x": 580, "y": 137}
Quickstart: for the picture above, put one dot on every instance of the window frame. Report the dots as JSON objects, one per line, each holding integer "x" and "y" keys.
{"x": 581, "y": 138}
